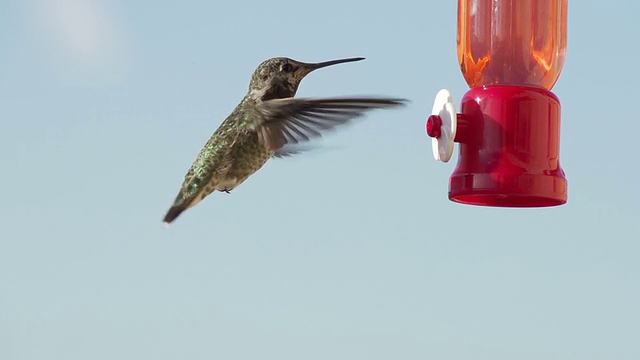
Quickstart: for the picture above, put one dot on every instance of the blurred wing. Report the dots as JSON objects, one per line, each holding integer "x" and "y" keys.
{"x": 291, "y": 121}
{"x": 292, "y": 150}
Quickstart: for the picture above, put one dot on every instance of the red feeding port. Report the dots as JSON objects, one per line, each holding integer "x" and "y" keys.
{"x": 510, "y": 156}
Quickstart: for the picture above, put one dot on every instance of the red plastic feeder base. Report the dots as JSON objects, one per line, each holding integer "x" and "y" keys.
{"x": 509, "y": 149}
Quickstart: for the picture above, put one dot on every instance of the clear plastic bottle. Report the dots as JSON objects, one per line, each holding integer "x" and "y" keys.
{"x": 512, "y": 42}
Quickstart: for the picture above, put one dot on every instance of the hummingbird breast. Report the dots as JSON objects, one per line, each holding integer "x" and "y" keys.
{"x": 248, "y": 155}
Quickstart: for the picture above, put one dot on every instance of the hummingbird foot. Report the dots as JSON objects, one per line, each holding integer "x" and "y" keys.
{"x": 225, "y": 190}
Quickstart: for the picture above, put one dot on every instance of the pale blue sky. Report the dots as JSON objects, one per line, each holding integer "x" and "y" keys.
{"x": 352, "y": 251}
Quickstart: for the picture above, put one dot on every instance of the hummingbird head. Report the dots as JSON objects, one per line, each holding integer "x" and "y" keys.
{"x": 279, "y": 77}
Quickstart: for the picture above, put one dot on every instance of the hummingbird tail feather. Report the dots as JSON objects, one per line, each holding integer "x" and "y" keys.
{"x": 173, "y": 213}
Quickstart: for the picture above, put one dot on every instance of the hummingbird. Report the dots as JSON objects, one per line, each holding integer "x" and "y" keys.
{"x": 268, "y": 122}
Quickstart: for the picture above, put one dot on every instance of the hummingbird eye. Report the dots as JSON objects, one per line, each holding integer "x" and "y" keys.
{"x": 286, "y": 67}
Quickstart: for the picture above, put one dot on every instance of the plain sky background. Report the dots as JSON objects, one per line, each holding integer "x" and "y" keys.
{"x": 351, "y": 251}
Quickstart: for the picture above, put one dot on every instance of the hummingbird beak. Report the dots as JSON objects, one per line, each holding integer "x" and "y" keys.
{"x": 310, "y": 67}
{"x": 333, "y": 62}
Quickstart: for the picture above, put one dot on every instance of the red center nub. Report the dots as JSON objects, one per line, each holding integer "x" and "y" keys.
{"x": 434, "y": 126}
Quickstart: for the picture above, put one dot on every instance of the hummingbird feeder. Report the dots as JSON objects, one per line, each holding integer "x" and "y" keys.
{"x": 511, "y": 53}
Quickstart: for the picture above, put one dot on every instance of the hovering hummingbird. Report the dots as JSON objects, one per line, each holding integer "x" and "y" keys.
{"x": 267, "y": 123}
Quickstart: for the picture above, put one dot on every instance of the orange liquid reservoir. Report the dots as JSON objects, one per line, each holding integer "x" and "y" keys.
{"x": 512, "y": 42}
{"x": 511, "y": 53}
